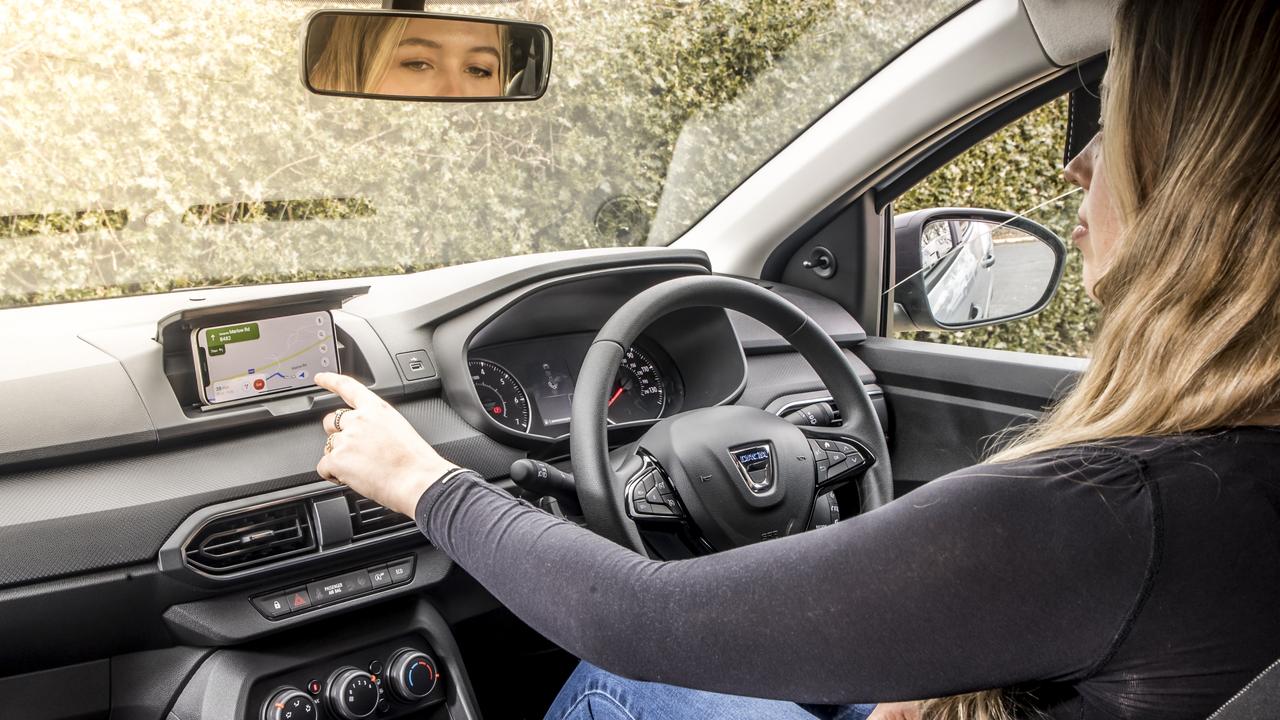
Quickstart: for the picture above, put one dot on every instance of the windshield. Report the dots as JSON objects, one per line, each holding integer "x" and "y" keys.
{"x": 149, "y": 145}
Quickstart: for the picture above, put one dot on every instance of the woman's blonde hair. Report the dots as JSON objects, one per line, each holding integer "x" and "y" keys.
{"x": 358, "y": 53}
{"x": 1189, "y": 337}
{"x": 360, "y": 50}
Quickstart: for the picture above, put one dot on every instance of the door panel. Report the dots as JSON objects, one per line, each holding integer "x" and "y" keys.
{"x": 947, "y": 401}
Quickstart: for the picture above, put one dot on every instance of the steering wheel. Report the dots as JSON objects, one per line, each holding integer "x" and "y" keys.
{"x": 736, "y": 474}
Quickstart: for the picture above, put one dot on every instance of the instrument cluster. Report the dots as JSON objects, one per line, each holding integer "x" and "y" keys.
{"x": 528, "y": 386}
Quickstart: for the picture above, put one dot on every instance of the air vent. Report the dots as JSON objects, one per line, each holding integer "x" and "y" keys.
{"x": 369, "y": 519}
{"x": 232, "y": 543}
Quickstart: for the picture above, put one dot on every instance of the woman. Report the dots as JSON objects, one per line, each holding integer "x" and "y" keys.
{"x": 413, "y": 57}
{"x": 1120, "y": 559}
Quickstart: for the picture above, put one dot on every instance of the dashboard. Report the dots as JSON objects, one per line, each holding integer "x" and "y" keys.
{"x": 528, "y": 386}
{"x": 152, "y": 514}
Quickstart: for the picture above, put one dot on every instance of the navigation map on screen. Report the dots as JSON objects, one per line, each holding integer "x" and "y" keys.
{"x": 265, "y": 356}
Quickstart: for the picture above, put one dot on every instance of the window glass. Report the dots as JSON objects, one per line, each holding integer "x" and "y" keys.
{"x": 148, "y": 145}
{"x": 1016, "y": 169}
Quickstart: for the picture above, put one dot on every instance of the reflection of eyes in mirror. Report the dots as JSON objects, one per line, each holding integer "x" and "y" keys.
{"x": 415, "y": 57}
{"x": 445, "y": 58}
{"x": 988, "y": 272}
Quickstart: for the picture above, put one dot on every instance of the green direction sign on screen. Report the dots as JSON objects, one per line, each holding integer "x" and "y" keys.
{"x": 218, "y": 338}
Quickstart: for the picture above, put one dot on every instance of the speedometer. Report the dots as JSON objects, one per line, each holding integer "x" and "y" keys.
{"x": 638, "y": 392}
{"x": 501, "y": 395}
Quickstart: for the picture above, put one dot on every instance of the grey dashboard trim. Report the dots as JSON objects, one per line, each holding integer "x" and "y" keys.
{"x": 119, "y": 510}
{"x": 101, "y": 357}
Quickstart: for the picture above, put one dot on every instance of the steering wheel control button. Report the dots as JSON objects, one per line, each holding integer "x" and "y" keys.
{"x": 653, "y": 497}
{"x": 401, "y": 571}
{"x": 290, "y": 704}
{"x": 412, "y": 674}
{"x": 379, "y": 576}
{"x": 272, "y": 606}
{"x": 353, "y": 693}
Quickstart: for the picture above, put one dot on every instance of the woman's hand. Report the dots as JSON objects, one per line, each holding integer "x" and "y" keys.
{"x": 373, "y": 450}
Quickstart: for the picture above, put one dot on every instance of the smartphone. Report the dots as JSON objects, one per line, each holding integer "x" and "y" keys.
{"x": 263, "y": 357}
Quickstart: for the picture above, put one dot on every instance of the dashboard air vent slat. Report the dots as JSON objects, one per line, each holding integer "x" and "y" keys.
{"x": 250, "y": 538}
{"x": 369, "y": 519}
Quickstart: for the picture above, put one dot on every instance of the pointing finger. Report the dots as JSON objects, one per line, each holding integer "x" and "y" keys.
{"x": 347, "y": 388}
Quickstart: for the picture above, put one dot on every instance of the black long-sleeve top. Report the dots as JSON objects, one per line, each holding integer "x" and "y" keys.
{"x": 1136, "y": 579}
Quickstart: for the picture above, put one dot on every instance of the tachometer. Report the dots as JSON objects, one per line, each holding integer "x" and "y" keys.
{"x": 638, "y": 392}
{"x": 501, "y": 395}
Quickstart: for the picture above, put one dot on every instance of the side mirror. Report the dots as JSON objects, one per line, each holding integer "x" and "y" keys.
{"x": 962, "y": 268}
{"x": 424, "y": 56}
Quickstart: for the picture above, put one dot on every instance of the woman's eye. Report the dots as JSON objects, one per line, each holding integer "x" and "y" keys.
{"x": 416, "y": 65}
{"x": 480, "y": 72}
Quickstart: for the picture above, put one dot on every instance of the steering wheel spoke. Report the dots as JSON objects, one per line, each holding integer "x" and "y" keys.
{"x": 838, "y": 457}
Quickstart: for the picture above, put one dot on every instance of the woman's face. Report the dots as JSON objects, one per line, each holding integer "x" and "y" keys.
{"x": 445, "y": 58}
{"x": 1099, "y": 225}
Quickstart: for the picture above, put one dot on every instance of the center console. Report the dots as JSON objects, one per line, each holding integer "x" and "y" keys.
{"x": 390, "y": 679}
{"x": 399, "y": 661}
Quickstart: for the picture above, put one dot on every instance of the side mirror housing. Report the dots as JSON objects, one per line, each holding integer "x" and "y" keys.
{"x": 959, "y": 268}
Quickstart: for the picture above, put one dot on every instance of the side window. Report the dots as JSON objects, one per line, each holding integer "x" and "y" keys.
{"x": 1016, "y": 169}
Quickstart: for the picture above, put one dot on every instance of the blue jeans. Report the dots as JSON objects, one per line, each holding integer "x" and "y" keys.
{"x": 594, "y": 694}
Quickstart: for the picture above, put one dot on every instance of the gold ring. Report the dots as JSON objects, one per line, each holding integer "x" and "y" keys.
{"x": 328, "y": 445}
{"x": 337, "y": 419}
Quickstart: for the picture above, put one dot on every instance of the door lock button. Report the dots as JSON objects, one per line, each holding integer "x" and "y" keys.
{"x": 273, "y": 606}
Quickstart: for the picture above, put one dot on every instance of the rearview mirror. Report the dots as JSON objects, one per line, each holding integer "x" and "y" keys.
{"x": 424, "y": 56}
{"x": 965, "y": 267}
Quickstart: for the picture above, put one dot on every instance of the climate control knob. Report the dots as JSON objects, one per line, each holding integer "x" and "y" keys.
{"x": 353, "y": 693}
{"x": 412, "y": 674}
{"x": 290, "y": 704}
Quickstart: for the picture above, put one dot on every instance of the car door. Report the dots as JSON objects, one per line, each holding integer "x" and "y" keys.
{"x": 953, "y": 394}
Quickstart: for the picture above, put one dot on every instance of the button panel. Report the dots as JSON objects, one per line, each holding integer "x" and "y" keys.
{"x": 651, "y": 497}
{"x": 318, "y": 593}
{"x": 833, "y": 458}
